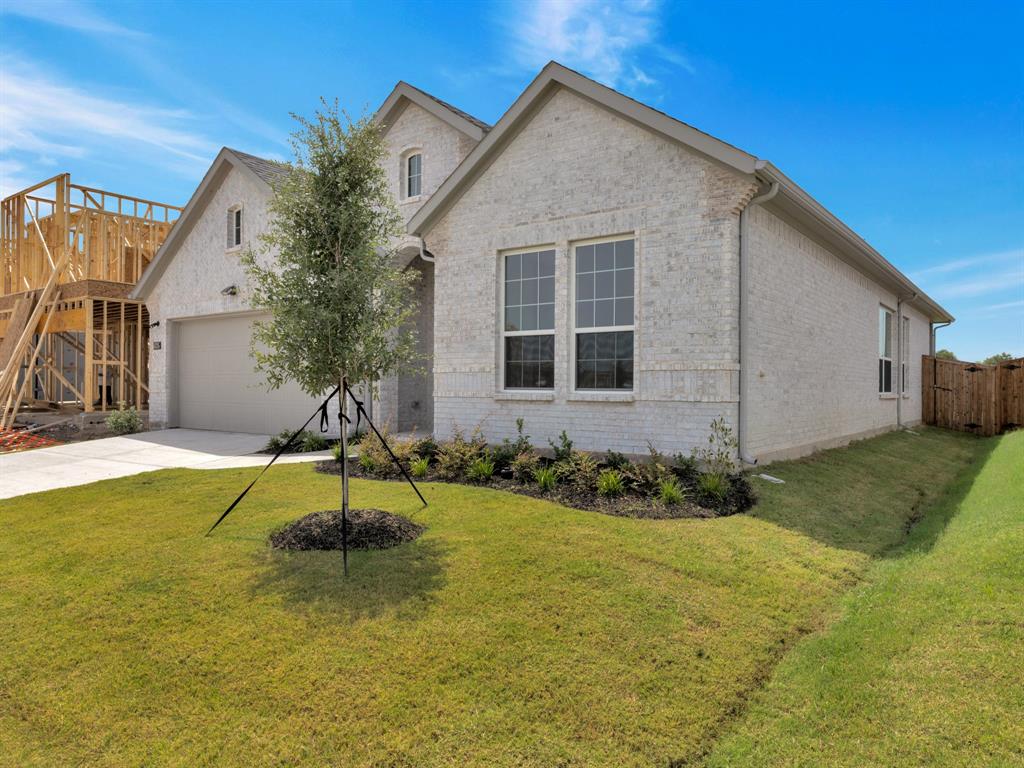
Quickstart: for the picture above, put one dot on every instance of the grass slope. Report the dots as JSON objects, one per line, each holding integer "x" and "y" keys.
{"x": 926, "y": 666}
{"x": 513, "y": 633}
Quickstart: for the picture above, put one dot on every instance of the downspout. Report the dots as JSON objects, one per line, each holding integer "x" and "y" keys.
{"x": 426, "y": 255}
{"x": 741, "y": 427}
{"x": 935, "y": 327}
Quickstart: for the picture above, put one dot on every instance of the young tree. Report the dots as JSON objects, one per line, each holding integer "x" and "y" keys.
{"x": 945, "y": 354}
{"x": 998, "y": 357}
{"x": 337, "y": 301}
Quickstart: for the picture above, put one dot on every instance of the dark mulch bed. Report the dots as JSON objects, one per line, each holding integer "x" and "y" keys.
{"x": 367, "y": 529}
{"x": 627, "y": 505}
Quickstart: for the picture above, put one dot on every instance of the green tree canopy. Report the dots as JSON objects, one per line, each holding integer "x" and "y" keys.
{"x": 338, "y": 303}
{"x": 945, "y": 354}
{"x": 999, "y": 357}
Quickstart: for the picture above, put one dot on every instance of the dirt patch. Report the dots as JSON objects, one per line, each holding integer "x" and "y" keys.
{"x": 367, "y": 529}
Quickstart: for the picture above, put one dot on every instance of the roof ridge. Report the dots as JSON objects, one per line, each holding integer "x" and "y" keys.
{"x": 460, "y": 112}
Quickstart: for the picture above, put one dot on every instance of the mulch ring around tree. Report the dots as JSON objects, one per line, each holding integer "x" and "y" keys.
{"x": 367, "y": 529}
{"x": 627, "y": 505}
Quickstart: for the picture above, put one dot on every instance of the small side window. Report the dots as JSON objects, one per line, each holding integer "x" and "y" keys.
{"x": 414, "y": 175}
{"x": 234, "y": 227}
{"x": 884, "y": 351}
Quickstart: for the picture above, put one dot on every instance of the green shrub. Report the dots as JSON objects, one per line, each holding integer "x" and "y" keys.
{"x": 425, "y": 447}
{"x": 124, "y": 421}
{"x": 336, "y": 451}
{"x": 419, "y": 466}
{"x": 685, "y": 468}
{"x": 646, "y": 477}
{"x": 455, "y": 457}
{"x": 368, "y": 463}
{"x": 505, "y": 454}
{"x": 563, "y": 448}
{"x": 610, "y": 483}
{"x": 713, "y": 486}
{"x": 310, "y": 442}
{"x": 382, "y": 463}
{"x": 524, "y": 465}
{"x": 615, "y": 460}
{"x": 545, "y": 478}
{"x": 717, "y": 457}
{"x": 279, "y": 441}
{"x": 580, "y": 470}
{"x": 481, "y": 470}
{"x": 670, "y": 492}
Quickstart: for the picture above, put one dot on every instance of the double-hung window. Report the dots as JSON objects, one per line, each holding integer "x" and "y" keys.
{"x": 884, "y": 351}
{"x": 604, "y": 290}
{"x": 529, "y": 320}
{"x": 414, "y": 175}
{"x": 905, "y": 356}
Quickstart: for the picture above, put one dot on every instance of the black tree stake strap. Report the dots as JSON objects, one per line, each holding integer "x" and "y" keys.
{"x": 361, "y": 414}
{"x": 322, "y": 412}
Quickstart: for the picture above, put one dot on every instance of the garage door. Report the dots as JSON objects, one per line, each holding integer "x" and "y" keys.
{"x": 217, "y": 387}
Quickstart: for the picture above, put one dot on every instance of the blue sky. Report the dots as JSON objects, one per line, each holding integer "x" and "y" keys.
{"x": 905, "y": 119}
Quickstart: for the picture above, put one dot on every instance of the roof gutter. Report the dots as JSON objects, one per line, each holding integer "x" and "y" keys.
{"x": 743, "y": 407}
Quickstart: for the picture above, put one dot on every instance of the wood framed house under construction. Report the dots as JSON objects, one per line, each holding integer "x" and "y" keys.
{"x": 70, "y": 338}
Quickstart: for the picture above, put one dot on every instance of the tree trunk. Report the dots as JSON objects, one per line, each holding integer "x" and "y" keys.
{"x": 343, "y": 422}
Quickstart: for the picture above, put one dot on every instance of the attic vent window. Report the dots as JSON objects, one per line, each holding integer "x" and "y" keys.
{"x": 234, "y": 227}
{"x": 414, "y": 175}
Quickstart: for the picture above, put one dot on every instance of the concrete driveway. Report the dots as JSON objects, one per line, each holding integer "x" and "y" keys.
{"x": 63, "y": 466}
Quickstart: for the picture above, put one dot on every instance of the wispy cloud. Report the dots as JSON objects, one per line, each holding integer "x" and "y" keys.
{"x": 603, "y": 39}
{"x": 972, "y": 262}
{"x": 72, "y": 15}
{"x": 983, "y": 286}
{"x": 48, "y": 116}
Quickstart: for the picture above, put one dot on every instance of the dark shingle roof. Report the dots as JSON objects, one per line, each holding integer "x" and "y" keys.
{"x": 268, "y": 170}
{"x": 465, "y": 115}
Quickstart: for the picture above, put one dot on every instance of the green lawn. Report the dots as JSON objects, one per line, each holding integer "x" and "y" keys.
{"x": 926, "y": 665}
{"x": 513, "y": 633}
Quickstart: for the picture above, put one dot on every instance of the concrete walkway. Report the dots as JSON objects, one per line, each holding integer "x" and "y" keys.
{"x": 64, "y": 466}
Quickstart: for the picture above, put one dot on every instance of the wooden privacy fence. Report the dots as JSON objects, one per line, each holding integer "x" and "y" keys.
{"x": 970, "y": 397}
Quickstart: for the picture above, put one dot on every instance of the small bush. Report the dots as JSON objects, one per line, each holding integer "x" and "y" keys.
{"x": 124, "y": 421}
{"x": 580, "y": 470}
{"x": 646, "y": 478}
{"x": 481, "y": 470}
{"x": 685, "y": 468}
{"x": 419, "y": 467}
{"x": 610, "y": 483}
{"x": 279, "y": 441}
{"x": 336, "y": 451}
{"x": 455, "y": 457}
{"x": 425, "y": 447}
{"x": 368, "y": 463}
{"x": 524, "y": 465}
{"x": 563, "y": 448}
{"x": 507, "y": 452}
{"x": 310, "y": 442}
{"x": 545, "y": 478}
{"x": 717, "y": 457}
{"x": 670, "y": 492}
{"x": 615, "y": 460}
{"x": 382, "y": 464}
{"x": 741, "y": 496}
{"x": 713, "y": 486}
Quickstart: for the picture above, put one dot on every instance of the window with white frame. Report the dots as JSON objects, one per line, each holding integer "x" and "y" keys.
{"x": 884, "y": 351}
{"x": 414, "y": 175}
{"x": 905, "y": 356}
{"x": 234, "y": 227}
{"x": 603, "y": 294}
{"x": 529, "y": 319}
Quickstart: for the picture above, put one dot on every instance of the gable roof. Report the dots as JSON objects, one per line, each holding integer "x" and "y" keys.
{"x": 404, "y": 94}
{"x": 263, "y": 172}
{"x": 791, "y": 202}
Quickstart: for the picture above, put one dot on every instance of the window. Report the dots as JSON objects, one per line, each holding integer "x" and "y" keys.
{"x": 884, "y": 350}
{"x": 529, "y": 307}
{"x": 905, "y": 355}
{"x": 604, "y": 315}
{"x": 234, "y": 226}
{"x": 413, "y": 175}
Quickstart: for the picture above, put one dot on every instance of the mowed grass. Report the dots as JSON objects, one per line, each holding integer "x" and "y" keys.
{"x": 514, "y": 633}
{"x": 926, "y": 665}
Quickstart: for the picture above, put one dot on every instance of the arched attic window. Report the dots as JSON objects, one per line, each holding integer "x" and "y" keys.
{"x": 412, "y": 173}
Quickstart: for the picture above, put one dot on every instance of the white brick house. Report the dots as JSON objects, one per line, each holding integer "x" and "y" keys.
{"x": 593, "y": 265}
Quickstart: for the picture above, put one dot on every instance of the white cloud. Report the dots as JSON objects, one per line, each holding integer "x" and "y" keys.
{"x": 982, "y": 286}
{"x": 44, "y": 115}
{"x": 970, "y": 262}
{"x": 72, "y": 15}
{"x": 600, "y": 38}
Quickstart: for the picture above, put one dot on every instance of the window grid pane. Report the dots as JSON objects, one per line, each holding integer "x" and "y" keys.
{"x": 604, "y": 285}
{"x": 414, "y": 175}
{"x": 530, "y": 306}
{"x": 529, "y": 362}
{"x": 604, "y": 360}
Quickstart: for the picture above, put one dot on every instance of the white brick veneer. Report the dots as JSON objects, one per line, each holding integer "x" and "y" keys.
{"x": 576, "y": 171}
{"x": 814, "y": 345}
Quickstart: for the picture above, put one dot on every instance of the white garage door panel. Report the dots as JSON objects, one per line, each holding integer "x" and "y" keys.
{"x": 218, "y": 387}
